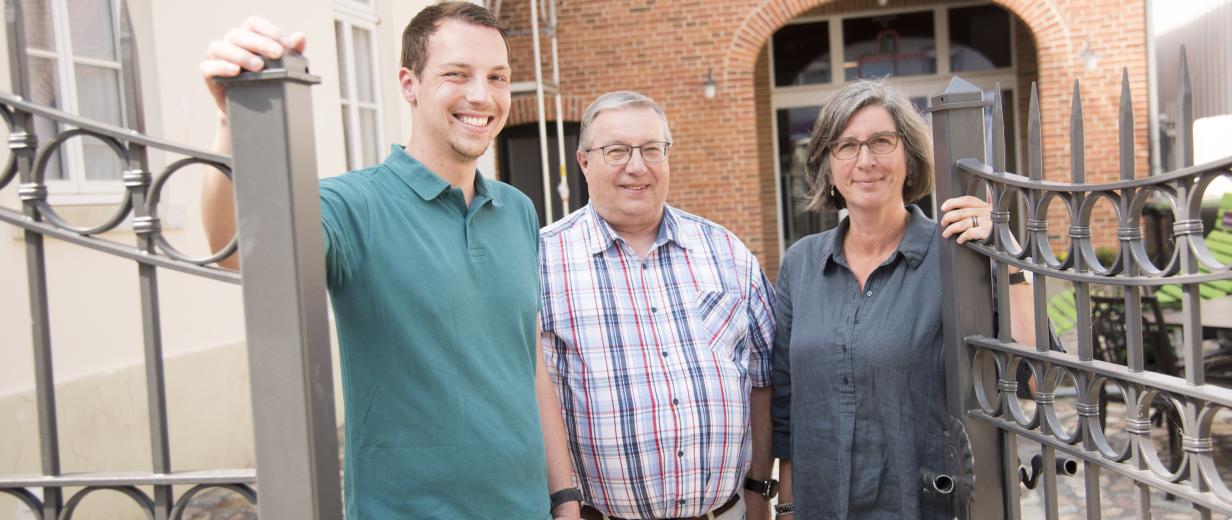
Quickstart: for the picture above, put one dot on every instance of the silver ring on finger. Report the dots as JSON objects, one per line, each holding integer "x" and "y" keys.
{"x": 975, "y": 222}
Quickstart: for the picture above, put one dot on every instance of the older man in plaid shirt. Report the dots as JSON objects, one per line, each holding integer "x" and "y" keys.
{"x": 657, "y": 330}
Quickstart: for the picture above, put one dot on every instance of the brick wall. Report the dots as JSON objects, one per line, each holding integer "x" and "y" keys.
{"x": 722, "y": 164}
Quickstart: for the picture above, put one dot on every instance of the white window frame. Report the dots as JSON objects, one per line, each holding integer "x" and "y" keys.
{"x": 77, "y": 189}
{"x": 924, "y": 85}
{"x": 355, "y": 14}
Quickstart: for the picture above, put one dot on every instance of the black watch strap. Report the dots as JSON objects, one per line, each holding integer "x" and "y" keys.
{"x": 766, "y": 488}
{"x": 565, "y": 495}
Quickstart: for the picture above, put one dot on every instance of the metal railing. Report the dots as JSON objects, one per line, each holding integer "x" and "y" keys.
{"x": 283, "y": 286}
{"x": 987, "y": 418}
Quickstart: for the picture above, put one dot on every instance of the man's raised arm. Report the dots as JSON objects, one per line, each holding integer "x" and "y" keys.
{"x": 244, "y": 48}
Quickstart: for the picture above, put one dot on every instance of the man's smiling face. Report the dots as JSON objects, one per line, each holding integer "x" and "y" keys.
{"x": 461, "y": 99}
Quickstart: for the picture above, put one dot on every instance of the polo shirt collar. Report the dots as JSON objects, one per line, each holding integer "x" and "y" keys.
{"x": 602, "y": 236}
{"x": 429, "y": 185}
{"x": 916, "y": 242}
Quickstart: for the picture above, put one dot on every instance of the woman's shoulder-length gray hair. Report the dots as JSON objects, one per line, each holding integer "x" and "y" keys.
{"x": 837, "y": 112}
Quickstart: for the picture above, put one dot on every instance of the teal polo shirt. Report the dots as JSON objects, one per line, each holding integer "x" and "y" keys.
{"x": 435, "y": 305}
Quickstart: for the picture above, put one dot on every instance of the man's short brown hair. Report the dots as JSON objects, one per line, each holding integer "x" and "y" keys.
{"x": 424, "y": 25}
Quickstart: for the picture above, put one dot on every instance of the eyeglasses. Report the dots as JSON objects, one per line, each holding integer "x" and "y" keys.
{"x": 618, "y": 154}
{"x": 880, "y": 143}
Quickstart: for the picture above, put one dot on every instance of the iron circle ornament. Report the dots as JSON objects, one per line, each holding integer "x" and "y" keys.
{"x": 138, "y": 496}
{"x": 10, "y": 164}
{"x": 1090, "y": 259}
{"x": 1197, "y": 241}
{"x": 1039, "y": 228}
{"x": 990, "y": 404}
{"x": 1094, "y": 424}
{"x": 1046, "y": 399}
{"x": 1003, "y": 206}
{"x": 27, "y": 499}
{"x": 1015, "y": 406}
{"x": 1137, "y": 247}
{"x": 155, "y": 195}
{"x": 243, "y": 490}
{"x": 1146, "y": 446}
{"x": 40, "y": 172}
{"x": 1203, "y": 456}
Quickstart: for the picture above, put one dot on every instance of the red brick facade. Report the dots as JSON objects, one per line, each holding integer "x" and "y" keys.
{"x": 722, "y": 164}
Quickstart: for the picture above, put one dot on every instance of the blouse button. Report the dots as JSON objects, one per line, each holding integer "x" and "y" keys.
{"x": 870, "y": 293}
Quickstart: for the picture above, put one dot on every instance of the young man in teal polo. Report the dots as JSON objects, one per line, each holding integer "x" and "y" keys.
{"x": 433, "y": 273}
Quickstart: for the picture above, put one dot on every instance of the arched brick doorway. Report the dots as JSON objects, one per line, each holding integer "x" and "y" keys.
{"x": 1061, "y": 42}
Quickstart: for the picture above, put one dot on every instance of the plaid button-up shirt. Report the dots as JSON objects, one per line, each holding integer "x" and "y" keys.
{"x": 654, "y": 359}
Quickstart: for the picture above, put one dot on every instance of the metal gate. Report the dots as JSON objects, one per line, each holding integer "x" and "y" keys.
{"x": 987, "y": 417}
{"x": 283, "y": 287}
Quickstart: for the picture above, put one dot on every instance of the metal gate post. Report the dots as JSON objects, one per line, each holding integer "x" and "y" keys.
{"x": 958, "y": 133}
{"x": 23, "y": 144}
{"x": 280, "y": 245}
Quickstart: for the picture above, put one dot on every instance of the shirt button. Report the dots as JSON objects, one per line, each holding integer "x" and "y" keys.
{"x": 680, "y": 453}
{"x": 870, "y": 293}
{"x": 665, "y": 353}
{"x": 645, "y": 265}
{"x": 846, "y": 380}
{"x": 654, "y": 309}
{"x": 681, "y": 501}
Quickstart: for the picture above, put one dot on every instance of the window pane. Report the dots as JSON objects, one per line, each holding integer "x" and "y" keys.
{"x": 362, "y": 40}
{"x": 93, "y": 30}
{"x": 889, "y": 45}
{"x": 98, "y": 99}
{"x": 979, "y": 38}
{"x": 44, "y": 89}
{"x": 802, "y": 54}
{"x": 344, "y": 69}
{"x": 346, "y": 138}
{"x": 36, "y": 16}
{"x": 101, "y": 162}
{"x": 98, "y": 94}
{"x": 795, "y": 125}
{"x": 368, "y": 136}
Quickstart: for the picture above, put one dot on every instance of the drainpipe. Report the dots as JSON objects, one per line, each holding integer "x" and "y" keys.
{"x": 1152, "y": 116}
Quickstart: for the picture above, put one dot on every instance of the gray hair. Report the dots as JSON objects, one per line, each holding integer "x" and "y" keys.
{"x": 837, "y": 112}
{"x": 618, "y": 100}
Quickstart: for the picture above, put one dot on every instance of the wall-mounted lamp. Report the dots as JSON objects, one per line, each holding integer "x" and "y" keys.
{"x": 883, "y": 3}
{"x": 710, "y": 88}
{"x": 1088, "y": 56}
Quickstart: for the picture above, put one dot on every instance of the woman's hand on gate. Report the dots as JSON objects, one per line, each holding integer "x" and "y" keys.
{"x": 967, "y": 217}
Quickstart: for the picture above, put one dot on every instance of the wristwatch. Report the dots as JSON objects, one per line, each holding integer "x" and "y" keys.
{"x": 765, "y": 488}
{"x": 1018, "y": 277}
{"x": 565, "y": 495}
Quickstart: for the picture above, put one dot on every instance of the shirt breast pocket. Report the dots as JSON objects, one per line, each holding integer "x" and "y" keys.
{"x": 722, "y": 324}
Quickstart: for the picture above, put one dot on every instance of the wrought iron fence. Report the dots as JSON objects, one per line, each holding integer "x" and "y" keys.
{"x": 283, "y": 286}
{"x": 988, "y": 419}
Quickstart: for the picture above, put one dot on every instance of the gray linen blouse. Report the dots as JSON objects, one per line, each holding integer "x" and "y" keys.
{"x": 859, "y": 382}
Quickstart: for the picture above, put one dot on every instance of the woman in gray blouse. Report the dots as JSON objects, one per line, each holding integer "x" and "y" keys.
{"x": 859, "y": 383}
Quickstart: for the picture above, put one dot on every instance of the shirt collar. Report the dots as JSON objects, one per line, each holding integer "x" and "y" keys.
{"x": 429, "y": 185}
{"x": 602, "y": 236}
{"x": 916, "y": 242}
